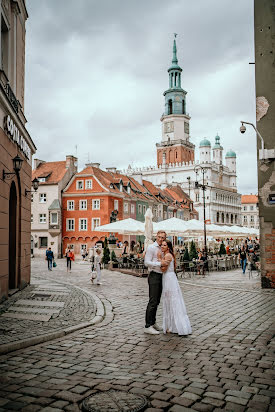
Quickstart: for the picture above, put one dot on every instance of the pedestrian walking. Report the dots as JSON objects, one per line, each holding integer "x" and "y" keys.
{"x": 70, "y": 258}
{"x": 243, "y": 258}
{"x": 98, "y": 266}
{"x": 83, "y": 253}
{"x": 49, "y": 258}
{"x": 155, "y": 284}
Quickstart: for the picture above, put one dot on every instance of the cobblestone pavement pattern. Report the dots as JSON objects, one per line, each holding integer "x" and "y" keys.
{"x": 225, "y": 365}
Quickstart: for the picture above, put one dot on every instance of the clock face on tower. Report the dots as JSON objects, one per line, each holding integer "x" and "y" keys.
{"x": 168, "y": 127}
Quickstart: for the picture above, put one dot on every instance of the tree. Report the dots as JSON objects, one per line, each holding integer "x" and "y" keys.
{"x": 106, "y": 252}
{"x": 222, "y": 250}
{"x": 113, "y": 256}
{"x": 193, "y": 251}
{"x": 186, "y": 255}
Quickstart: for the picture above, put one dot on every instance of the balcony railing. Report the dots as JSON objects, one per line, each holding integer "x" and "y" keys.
{"x": 12, "y": 98}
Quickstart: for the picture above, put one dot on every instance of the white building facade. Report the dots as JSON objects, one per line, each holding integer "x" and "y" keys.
{"x": 250, "y": 211}
{"x": 46, "y": 206}
{"x": 176, "y": 161}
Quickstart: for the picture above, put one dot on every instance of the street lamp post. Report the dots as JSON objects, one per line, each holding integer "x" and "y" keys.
{"x": 202, "y": 186}
{"x": 189, "y": 178}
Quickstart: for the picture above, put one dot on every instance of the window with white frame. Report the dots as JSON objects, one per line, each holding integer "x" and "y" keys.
{"x": 70, "y": 204}
{"x": 69, "y": 224}
{"x": 244, "y": 208}
{"x": 126, "y": 207}
{"x": 95, "y": 222}
{"x": 139, "y": 209}
{"x": 82, "y": 224}
{"x": 42, "y": 197}
{"x": 42, "y": 218}
{"x": 128, "y": 189}
{"x": 144, "y": 209}
{"x": 79, "y": 185}
{"x": 251, "y": 207}
{"x": 83, "y": 205}
{"x": 245, "y": 219}
{"x": 31, "y": 197}
{"x": 115, "y": 204}
{"x": 54, "y": 218}
{"x": 31, "y": 218}
{"x": 197, "y": 197}
{"x": 96, "y": 204}
{"x": 251, "y": 219}
{"x": 83, "y": 247}
{"x": 132, "y": 208}
{"x": 88, "y": 184}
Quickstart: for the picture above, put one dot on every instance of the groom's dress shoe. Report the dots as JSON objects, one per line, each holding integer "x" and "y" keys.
{"x": 157, "y": 327}
{"x": 151, "y": 331}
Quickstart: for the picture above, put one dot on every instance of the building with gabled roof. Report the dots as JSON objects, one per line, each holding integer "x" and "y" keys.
{"x": 46, "y": 211}
{"x": 250, "y": 211}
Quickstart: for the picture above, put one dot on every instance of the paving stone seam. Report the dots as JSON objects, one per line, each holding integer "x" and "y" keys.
{"x": 24, "y": 343}
{"x": 226, "y": 288}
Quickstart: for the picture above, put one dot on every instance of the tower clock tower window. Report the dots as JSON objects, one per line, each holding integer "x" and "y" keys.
{"x": 170, "y": 106}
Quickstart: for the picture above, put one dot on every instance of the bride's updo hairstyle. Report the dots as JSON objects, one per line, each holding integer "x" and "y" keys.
{"x": 170, "y": 248}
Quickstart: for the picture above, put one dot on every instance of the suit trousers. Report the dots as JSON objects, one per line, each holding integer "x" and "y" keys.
{"x": 155, "y": 290}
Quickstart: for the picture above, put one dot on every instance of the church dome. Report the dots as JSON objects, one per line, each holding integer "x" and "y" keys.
{"x": 205, "y": 142}
{"x": 230, "y": 153}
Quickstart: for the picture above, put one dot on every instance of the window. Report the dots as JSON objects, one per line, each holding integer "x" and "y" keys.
{"x": 197, "y": 197}
{"x": 95, "y": 222}
{"x": 70, "y": 204}
{"x": 69, "y": 224}
{"x": 42, "y": 179}
{"x": 139, "y": 209}
{"x": 251, "y": 207}
{"x": 82, "y": 224}
{"x": 42, "y": 198}
{"x": 54, "y": 218}
{"x": 83, "y": 247}
{"x": 126, "y": 207}
{"x": 245, "y": 219}
{"x": 120, "y": 187}
{"x": 42, "y": 218}
{"x": 31, "y": 218}
{"x": 43, "y": 242}
{"x": 32, "y": 197}
{"x": 165, "y": 215}
{"x": 252, "y": 219}
{"x": 79, "y": 184}
{"x": 218, "y": 217}
{"x": 132, "y": 208}
{"x": 96, "y": 204}
{"x": 83, "y": 205}
{"x": 128, "y": 189}
{"x": 144, "y": 209}
{"x": 88, "y": 184}
{"x": 244, "y": 208}
{"x": 116, "y": 204}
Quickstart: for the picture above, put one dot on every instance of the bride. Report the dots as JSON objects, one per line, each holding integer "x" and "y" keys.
{"x": 175, "y": 319}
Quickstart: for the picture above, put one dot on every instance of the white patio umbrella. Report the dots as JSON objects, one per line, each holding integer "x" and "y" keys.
{"x": 172, "y": 226}
{"x": 148, "y": 229}
{"x": 125, "y": 227}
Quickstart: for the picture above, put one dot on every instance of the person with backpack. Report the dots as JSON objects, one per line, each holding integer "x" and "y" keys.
{"x": 49, "y": 258}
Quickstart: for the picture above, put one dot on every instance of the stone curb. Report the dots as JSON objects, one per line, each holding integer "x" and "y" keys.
{"x": 226, "y": 288}
{"x": 24, "y": 343}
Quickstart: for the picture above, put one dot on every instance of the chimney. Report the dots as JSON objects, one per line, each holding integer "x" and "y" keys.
{"x": 138, "y": 177}
{"x": 37, "y": 162}
{"x": 91, "y": 164}
{"x": 111, "y": 169}
{"x": 71, "y": 163}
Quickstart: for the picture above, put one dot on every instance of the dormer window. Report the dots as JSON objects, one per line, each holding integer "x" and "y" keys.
{"x": 42, "y": 179}
{"x": 120, "y": 187}
{"x": 128, "y": 189}
{"x": 111, "y": 186}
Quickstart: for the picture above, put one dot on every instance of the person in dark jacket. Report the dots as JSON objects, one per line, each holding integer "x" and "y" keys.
{"x": 49, "y": 258}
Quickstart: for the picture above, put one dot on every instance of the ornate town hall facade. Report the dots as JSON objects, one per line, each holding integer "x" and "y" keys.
{"x": 176, "y": 159}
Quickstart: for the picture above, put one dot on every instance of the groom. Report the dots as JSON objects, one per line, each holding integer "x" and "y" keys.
{"x": 155, "y": 283}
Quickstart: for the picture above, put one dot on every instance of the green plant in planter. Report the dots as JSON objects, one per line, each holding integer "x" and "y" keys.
{"x": 186, "y": 255}
{"x": 222, "y": 250}
{"x": 113, "y": 256}
{"x": 193, "y": 251}
{"x": 106, "y": 252}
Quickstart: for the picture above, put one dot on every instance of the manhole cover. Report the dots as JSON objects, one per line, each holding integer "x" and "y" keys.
{"x": 113, "y": 400}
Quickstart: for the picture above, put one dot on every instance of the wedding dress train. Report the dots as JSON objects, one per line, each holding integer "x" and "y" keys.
{"x": 175, "y": 319}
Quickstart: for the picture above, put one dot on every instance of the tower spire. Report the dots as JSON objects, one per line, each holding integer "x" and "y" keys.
{"x": 175, "y": 59}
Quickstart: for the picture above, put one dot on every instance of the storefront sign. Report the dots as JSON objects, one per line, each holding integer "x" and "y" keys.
{"x": 12, "y": 130}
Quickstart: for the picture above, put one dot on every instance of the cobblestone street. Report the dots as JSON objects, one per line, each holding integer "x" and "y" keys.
{"x": 226, "y": 364}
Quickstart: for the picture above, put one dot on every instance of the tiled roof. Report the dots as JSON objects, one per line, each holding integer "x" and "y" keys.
{"x": 55, "y": 171}
{"x": 249, "y": 199}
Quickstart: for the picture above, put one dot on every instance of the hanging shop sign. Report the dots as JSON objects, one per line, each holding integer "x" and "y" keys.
{"x": 14, "y": 133}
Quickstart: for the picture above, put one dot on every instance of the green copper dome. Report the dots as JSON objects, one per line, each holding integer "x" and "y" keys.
{"x": 217, "y": 143}
{"x": 230, "y": 153}
{"x": 205, "y": 142}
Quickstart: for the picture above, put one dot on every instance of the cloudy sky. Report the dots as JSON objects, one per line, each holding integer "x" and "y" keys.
{"x": 96, "y": 72}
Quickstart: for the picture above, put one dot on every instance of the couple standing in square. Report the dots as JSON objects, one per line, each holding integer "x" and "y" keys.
{"x": 162, "y": 279}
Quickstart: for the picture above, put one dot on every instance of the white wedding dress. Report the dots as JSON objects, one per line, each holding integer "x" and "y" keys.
{"x": 175, "y": 319}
